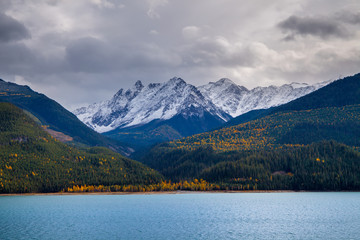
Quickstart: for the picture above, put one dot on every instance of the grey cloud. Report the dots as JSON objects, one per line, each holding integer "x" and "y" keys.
{"x": 320, "y": 27}
{"x": 94, "y": 55}
{"x": 92, "y": 48}
{"x": 11, "y": 29}
{"x": 219, "y": 51}
{"x": 90, "y": 55}
{"x": 16, "y": 58}
{"x": 348, "y": 17}
{"x": 4, "y": 5}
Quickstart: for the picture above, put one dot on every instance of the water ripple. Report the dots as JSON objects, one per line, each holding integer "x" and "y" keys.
{"x": 186, "y": 216}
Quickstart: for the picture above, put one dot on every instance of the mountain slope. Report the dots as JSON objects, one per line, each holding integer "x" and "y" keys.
{"x": 320, "y": 166}
{"x": 282, "y": 129}
{"x": 236, "y": 100}
{"x": 330, "y": 113}
{"x": 32, "y": 161}
{"x": 288, "y": 149}
{"x": 53, "y": 115}
{"x": 157, "y": 131}
{"x": 281, "y": 151}
{"x": 339, "y": 93}
{"x": 143, "y": 116}
{"x": 140, "y": 105}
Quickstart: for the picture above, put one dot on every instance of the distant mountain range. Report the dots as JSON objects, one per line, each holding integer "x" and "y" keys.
{"x": 174, "y": 109}
{"x": 337, "y": 94}
{"x": 236, "y": 100}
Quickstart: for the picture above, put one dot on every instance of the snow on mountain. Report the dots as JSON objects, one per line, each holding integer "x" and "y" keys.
{"x": 140, "y": 105}
{"x": 225, "y": 94}
{"x": 222, "y": 99}
{"x": 236, "y": 100}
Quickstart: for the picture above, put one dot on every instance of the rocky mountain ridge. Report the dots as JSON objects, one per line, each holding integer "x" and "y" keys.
{"x": 223, "y": 100}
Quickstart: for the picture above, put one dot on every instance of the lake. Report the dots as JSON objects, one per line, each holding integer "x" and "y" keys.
{"x": 182, "y": 216}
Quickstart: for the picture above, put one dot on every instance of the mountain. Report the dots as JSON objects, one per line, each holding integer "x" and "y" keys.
{"x": 330, "y": 113}
{"x": 282, "y": 129}
{"x": 143, "y": 136}
{"x": 159, "y": 112}
{"x": 236, "y": 100}
{"x": 321, "y": 166}
{"x": 290, "y": 147}
{"x": 31, "y": 160}
{"x": 56, "y": 119}
{"x": 140, "y": 105}
{"x": 339, "y": 93}
{"x": 143, "y": 116}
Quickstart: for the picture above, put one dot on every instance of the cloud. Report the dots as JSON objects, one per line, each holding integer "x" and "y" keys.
{"x": 190, "y": 32}
{"x": 348, "y": 17}
{"x": 305, "y": 26}
{"x": 11, "y": 29}
{"x": 153, "y": 5}
{"x": 107, "y": 4}
{"x": 153, "y": 32}
{"x": 83, "y": 51}
{"x": 92, "y": 55}
{"x": 219, "y": 51}
{"x": 16, "y": 58}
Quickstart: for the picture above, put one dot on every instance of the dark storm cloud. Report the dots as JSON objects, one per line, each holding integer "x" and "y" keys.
{"x": 320, "y": 27}
{"x": 11, "y": 29}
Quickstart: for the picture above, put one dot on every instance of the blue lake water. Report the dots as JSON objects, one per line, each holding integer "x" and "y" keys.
{"x": 182, "y": 216}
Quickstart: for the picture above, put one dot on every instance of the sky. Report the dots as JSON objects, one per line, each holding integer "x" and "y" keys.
{"x": 79, "y": 52}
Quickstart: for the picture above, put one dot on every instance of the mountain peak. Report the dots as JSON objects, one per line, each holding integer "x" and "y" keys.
{"x": 119, "y": 93}
{"x": 177, "y": 80}
{"x": 139, "y": 85}
{"x": 224, "y": 80}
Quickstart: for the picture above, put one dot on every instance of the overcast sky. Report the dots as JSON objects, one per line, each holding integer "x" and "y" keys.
{"x": 82, "y": 51}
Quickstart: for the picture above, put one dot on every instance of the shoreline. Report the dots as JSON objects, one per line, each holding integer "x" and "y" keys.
{"x": 160, "y": 192}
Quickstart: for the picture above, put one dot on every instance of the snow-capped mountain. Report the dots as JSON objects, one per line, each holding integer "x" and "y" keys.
{"x": 236, "y": 100}
{"x": 225, "y": 94}
{"x": 140, "y": 105}
{"x": 219, "y": 100}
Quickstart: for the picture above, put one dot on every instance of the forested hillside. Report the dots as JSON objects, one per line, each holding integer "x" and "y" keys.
{"x": 309, "y": 144}
{"x": 282, "y": 129}
{"x": 33, "y": 161}
{"x": 54, "y": 116}
{"x": 289, "y": 150}
{"x": 320, "y": 166}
